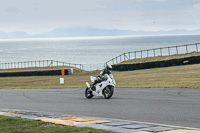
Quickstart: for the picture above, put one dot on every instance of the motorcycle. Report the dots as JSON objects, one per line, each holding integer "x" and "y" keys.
{"x": 104, "y": 88}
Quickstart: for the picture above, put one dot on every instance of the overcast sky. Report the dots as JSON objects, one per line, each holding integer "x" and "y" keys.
{"x": 38, "y": 16}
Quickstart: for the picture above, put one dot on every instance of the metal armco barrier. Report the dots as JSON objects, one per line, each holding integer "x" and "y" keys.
{"x": 157, "y": 64}
{"x": 49, "y": 72}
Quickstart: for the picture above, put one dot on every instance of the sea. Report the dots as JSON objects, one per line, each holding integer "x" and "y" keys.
{"x": 84, "y": 50}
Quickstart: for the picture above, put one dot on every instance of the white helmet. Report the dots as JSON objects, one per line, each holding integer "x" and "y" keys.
{"x": 109, "y": 67}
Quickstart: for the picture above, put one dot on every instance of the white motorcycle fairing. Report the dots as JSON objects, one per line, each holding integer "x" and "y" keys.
{"x": 100, "y": 86}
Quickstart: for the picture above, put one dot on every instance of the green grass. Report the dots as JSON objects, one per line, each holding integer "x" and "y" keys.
{"x": 160, "y": 58}
{"x": 187, "y": 76}
{"x": 18, "y": 125}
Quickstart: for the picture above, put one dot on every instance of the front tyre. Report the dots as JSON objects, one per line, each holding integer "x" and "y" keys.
{"x": 88, "y": 93}
{"x": 108, "y": 92}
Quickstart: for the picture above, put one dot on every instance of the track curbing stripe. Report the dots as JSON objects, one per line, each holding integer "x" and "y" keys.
{"x": 99, "y": 123}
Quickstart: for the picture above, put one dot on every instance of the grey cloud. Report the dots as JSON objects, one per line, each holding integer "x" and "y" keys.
{"x": 36, "y": 9}
{"x": 13, "y": 10}
{"x": 36, "y": 4}
{"x": 145, "y": 5}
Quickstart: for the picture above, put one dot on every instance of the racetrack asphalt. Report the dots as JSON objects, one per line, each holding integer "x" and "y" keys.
{"x": 178, "y": 107}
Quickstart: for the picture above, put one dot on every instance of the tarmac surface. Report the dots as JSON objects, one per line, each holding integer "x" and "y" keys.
{"x": 177, "y": 107}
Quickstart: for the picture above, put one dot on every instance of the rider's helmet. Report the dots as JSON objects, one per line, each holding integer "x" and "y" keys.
{"x": 109, "y": 67}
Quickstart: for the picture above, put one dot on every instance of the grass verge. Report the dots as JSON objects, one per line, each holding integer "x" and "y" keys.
{"x": 187, "y": 76}
{"x": 19, "y": 125}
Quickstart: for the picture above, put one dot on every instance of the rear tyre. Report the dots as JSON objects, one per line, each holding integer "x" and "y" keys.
{"x": 88, "y": 93}
{"x": 108, "y": 92}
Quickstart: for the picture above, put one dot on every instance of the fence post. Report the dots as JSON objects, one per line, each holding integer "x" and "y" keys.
{"x": 141, "y": 53}
{"x": 154, "y": 52}
{"x": 147, "y": 53}
{"x": 135, "y": 55}
{"x": 176, "y": 49}
{"x": 169, "y": 50}
{"x": 124, "y": 57}
{"x": 161, "y": 51}
{"x": 51, "y": 62}
{"x": 186, "y": 49}
{"x": 196, "y": 47}
{"x": 129, "y": 54}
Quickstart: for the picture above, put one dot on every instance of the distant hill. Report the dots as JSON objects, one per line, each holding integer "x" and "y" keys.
{"x": 89, "y": 31}
{"x": 17, "y": 34}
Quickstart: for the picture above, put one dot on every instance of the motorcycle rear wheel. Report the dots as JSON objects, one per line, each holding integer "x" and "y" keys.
{"x": 88, "y": 93}
{"x": 108, "y": 92}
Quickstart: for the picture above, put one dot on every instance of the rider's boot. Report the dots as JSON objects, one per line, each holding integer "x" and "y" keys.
{"x": 93, "y": 87}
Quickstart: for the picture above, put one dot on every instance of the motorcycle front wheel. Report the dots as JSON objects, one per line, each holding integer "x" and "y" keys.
{"x": 88, "y": 93}
{"x": 108, "y": 92}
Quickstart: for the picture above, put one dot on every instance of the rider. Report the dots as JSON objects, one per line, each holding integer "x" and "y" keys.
{"x": 101, "y": 76}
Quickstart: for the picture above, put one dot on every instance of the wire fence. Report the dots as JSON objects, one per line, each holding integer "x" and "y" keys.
{"x": 50, "y": 63}
{"x": 163, "y": 51}
{"x": 40, "y": 63}
{"x": 92, "y": 67}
